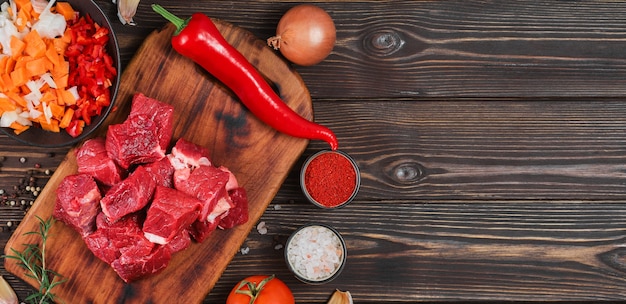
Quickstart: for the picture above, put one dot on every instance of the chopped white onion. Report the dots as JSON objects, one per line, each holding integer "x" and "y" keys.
{"x": 7, "y": 118}
{"x": 47, "y": 112}
{"x": 34, "y": 114}
{"x": 35, "y": 85}
{"x": 13, "y": 8}
{"x": 74, "y": 91}
{"x": 23, "y": 119}
{"x": 47, "y": 78}
{"x": 32, "y": 99}
{"x": 50, "y": 25}
{"x": 39, "y": 5}
{"x": 7, "y": 29}
{"x": 4, "y": 9}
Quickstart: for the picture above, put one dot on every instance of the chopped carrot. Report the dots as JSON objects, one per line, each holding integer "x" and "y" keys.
{"x": 17, "y": 46}
{"x": 61, "y": 81}
{"x": 49, "y": 97}
{"x": 60, "y": 100}
{"x": 10, "y": 65}
{"x": 22, "y": 18}
{"x": 66, "y": 10}
{"x": 67, "y": 36}
{"x": 37, "y": 66}
{"x": 24, "y": 90}
{"x": 17, "y": 128}
{"x": 53, "y": 55}
{"x": 52, "y": 126}
{"x": 7, "y": 105}
{"x": 19, "y": 76}
{"x": 57, "y": 110}
{"x": 67, "y": 118}
{"x": 3, "y": 63}
{"x": 35, "y": 46}
{"x": 60, "y": 45}
{"x": 17, "y": 99}
{"x": 68, "y": 97}
{"x": 22, "y": 4}
{"x": 61, "y": 69}
{"x": 21, "y": 62}
{"x": 7, "y": 83}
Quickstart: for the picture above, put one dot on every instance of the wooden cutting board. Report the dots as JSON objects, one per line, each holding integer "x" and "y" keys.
{"x": 205, "y": 113}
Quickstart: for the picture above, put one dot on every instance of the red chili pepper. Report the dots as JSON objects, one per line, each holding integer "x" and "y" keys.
{"x": 199, "y": 39}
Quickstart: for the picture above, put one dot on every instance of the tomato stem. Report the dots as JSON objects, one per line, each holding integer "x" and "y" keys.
{"x": 254, "y": 290}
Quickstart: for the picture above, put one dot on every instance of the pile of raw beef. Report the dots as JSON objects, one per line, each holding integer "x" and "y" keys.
{"x": 135, "y": 204}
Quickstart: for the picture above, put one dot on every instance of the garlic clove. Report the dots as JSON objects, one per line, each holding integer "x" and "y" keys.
{"x": 126, "y": 10}
{"x": 7, "y": 295}
{"x": 340, "y": 297}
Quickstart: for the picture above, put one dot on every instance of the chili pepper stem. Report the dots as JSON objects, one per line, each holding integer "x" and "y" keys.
{"x": 177, "y": 21}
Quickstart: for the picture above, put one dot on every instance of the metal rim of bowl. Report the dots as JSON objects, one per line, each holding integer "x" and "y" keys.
{"x": 114, "y": 51}
{"x": 356, "y": 171}
{"x": 337, "y": 271}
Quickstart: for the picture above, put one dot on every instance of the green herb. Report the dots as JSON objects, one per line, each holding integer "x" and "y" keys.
{"x": 33, "y": 260}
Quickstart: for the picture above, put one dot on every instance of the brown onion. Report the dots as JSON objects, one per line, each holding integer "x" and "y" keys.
{"x": 305, "y": 35}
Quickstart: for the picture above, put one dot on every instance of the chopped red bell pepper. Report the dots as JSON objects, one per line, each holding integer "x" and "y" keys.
{"x": 92, "y": 71}
{"x": 75, "y": 128}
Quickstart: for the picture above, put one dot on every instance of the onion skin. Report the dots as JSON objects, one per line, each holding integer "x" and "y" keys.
{"x": 305, "y": 35}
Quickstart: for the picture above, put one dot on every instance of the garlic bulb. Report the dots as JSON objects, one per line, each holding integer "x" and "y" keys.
{"x": 126, "y": 10}
{"x": 7, "y": 295}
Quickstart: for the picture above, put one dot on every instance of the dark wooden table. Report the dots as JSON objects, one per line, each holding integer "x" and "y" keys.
{"x": 491, "y": 138}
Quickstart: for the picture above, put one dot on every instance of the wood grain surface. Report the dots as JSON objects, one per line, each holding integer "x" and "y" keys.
{"x": 204, "y": 113}
{"x": 491, "y": 138}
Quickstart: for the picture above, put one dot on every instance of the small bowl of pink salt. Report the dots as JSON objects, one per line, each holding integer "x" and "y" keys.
{"x": 315, "y": 253}
{"x": 330, "y": 179}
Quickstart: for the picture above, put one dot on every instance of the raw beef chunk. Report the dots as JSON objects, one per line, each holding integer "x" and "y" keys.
{"x": 196, "y": 176}
{"x": 162, "y": 172}
{"x": 238, "y": 214}
{"x": 170, "y": 213}
{"x": 137, "y": 262}
{"x": 232, "y": 183}
{"x": 129, "y": 195}
{"x": 77, "y": 203}
{"x": 180, "y": 242}
{"x": 186, "y": 154}
{"x": 92, "y": 159}
{"x": 123, "y": 245}
{"x": 109, "y": 238}
{"x": 208, "y": 184}
{"x": 161, "y": 113}
{"x": 185, "y": 157}
{"x": 135, "y": 141}
{"x": 200, "y": 230}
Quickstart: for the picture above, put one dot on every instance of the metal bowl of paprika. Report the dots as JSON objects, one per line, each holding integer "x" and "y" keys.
{"x": 330, "y": 179}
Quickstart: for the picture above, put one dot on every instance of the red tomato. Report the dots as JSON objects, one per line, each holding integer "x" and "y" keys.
{"x": 261, "y": 289}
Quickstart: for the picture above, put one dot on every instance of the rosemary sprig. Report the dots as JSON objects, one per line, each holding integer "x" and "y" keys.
{"x": 33, "y": 260}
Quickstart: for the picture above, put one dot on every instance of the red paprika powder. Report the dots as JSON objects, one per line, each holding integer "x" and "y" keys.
{"x": 330, "y": 178}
